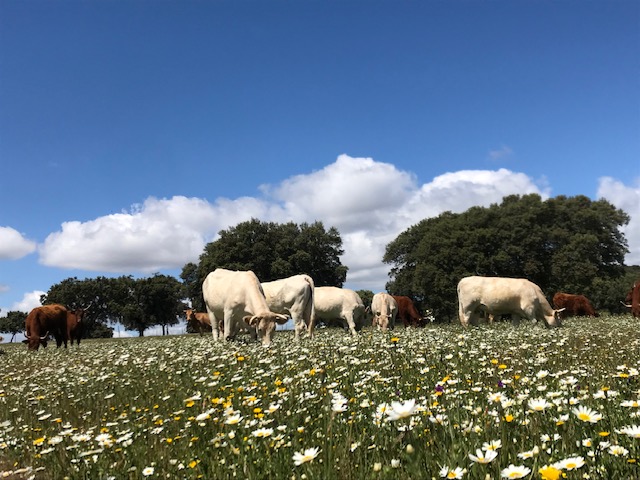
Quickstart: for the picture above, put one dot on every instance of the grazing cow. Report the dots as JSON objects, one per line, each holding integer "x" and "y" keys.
{"x": 332, "y": 303}
{"x": 293, "y": 296}
{"x": 384, "y": 309}
{"x": 573, "y": 305}
{"x": 200, "y": 321}
{"x": 75, "y": 326}
{"x": 55, "y": 320}
{"x": 633, "y": 299}
{"x": 407, "y": 311}
{"x": 499, "y": 296}
{"x": 237, "y": 298}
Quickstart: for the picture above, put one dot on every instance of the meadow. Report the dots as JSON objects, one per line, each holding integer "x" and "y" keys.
{"x": 495, "y": 401}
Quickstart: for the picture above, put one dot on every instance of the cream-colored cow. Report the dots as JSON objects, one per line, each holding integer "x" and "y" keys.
{"x": 384, "y": 309}
{"x": 293, "y": 296}
{"x": 237, "y": 298}
{"x": 333, "y": 303}
{"x": 501, "y": 296}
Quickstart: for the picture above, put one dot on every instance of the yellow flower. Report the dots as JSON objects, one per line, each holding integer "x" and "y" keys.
{"x": 502, "y": 366}
{"x": 508, "y": 418}
{"x": 395, "y": 339}
{"x": 549, "y": 472}
{"x": 39, "y": 441}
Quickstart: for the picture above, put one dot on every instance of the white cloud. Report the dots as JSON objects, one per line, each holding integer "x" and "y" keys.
{"x": 500, "y": 153}
{"x": 29, "y": 301}
{"x": 369, "y": 202}
{"x": 159, "y": 234}
{"x": 13, "y": 245}
{"x": 628, "y": 199}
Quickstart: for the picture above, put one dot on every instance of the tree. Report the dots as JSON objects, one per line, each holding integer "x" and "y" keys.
{"x": 366, "y": 296}
{"x": 562, "y": 244}
{"x": 13, "y": 323}
{"x": 146, "y": 302}
{"x": 272, "y": 251}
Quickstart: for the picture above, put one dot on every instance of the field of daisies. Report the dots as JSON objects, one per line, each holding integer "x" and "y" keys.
{"x": 489, "y": 402}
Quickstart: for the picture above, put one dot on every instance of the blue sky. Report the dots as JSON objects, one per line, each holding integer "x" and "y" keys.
{"x": 132, "y": 132}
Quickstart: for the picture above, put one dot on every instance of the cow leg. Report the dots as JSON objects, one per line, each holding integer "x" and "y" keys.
{"x": 515, "y": 319}
{"x": 298, "y": 327}
{"x": 352, "y": 325}
{"x": 229, "y": 332}
{"x": 215, "y": 328}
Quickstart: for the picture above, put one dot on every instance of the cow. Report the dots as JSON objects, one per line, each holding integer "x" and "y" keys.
{"x": 200, "y": 321}
{"x": 633, "y": 299}
{"x": 75, "y": 326}
{"x": 573, "y": 305}
{"x": 384, "y": 309}
{"x": 237, "y": 298}
{"x": 499, "y": 296}
{"x": 56, "y": 320}
{"x": 332, "y": 303}
{"x": 293, "y": 296}
{"x": 407, "y": 311}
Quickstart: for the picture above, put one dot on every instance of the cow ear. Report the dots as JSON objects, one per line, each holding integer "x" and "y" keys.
{"x": 251, "y": 320}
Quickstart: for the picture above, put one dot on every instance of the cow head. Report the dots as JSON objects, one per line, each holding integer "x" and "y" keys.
{"x": 554, "y": 320}
{"x": 189, "y": 315}
{"x": 34, "y": 341}
{"x": 383, "y": 321}
{"x": 265, "y": 324}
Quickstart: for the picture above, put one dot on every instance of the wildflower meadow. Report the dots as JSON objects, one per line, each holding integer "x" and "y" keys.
{"x": 489, "y": 402}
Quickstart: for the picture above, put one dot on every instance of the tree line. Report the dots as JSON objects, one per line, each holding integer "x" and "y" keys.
{"x": 570, "y": 244}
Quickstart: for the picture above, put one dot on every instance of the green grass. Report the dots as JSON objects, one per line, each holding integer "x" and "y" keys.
{"x": 122, "y": 408}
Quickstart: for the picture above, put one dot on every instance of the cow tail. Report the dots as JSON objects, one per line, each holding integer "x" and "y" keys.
{"x": 310, "y": 311}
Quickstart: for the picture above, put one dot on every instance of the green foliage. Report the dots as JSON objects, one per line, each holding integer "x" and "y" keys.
{"x": 366, "y": 296}
{"x": 272, "y": 251}
{"x": 570, "y": 244}
{"x": 137, "y": 304}
{"x": 13, "y": 323}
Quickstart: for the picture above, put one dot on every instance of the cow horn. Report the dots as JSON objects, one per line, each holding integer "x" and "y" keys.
{"x": 26, "y": 335}
{"x": 628, "y": 306}
{"x": 45, "y": 336}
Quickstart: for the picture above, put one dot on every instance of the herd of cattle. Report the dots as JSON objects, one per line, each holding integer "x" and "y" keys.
{"x": 237, "y": 300}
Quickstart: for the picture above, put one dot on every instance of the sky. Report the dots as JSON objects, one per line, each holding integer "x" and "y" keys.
{"x": 132, "y": 132}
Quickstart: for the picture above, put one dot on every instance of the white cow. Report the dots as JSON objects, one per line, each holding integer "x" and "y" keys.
{"x": 293, "y": 296}
{"x": 501, "y": 296}
{"x": 237, "y": 298}
{"x": 384, "y": 309}
{"x": 333, "y": 302}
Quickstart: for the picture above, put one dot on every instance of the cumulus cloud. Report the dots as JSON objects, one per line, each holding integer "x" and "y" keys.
{"x": 628, "y": 199}
{"x": 369, "y": 202}
{"x": 158, "y": 234}
{"x": 29, "y": 301}
{"x": 13, "y": 245}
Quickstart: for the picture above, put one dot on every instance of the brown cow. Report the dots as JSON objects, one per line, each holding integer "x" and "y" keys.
{"x": 407, "y": 312}
{"x": 200, "y": 321}
{"x": 574, "y": 305}
{"x": 53, "y": 320}
{"x": 633, "y": 299}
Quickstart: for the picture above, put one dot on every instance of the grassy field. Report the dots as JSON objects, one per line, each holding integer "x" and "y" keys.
{"x": 407, "y": 404}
